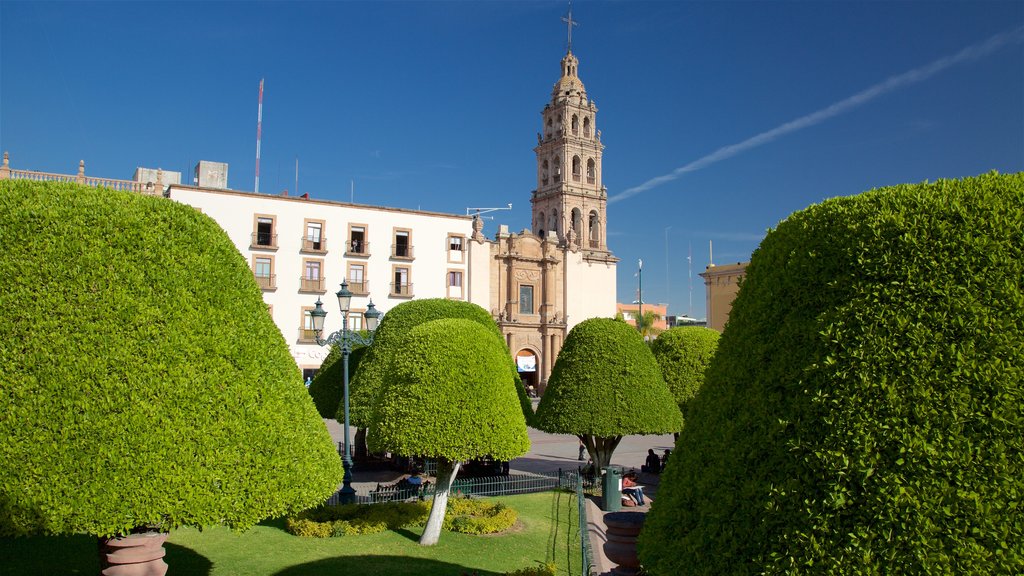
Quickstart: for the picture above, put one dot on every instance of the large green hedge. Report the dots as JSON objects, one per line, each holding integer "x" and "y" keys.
{"x": 143, "y": 382}
{"x": 395, "y": 325}
{"x": 449, "y": 393}
{"x": 864, "y": 413}
{"x": 606, "y": 384}
{"x": 683, "y": 353}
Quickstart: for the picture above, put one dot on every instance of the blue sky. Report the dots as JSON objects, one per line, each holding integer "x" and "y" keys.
{"x": 749, "y": 110}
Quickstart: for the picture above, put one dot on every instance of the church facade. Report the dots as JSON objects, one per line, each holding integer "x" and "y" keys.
{"x": 537, "y": 283}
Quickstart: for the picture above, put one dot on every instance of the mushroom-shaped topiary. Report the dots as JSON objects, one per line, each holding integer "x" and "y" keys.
{"x": 449, "y": 395}
{"x": 683, "y": 353}
{"x": 143, "y": 382}
{"x": 606, "y": 384}
{"x": 864, "y": 413}
{"x": 394, "y": 326}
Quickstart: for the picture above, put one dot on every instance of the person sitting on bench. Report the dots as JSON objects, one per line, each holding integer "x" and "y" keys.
{"x": 653, "y": 464}
{"x": 631, "y": 488}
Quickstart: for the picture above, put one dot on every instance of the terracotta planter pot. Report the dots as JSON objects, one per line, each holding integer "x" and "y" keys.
{"x": 133, "y": 555}
{"x": 622, "y": 530}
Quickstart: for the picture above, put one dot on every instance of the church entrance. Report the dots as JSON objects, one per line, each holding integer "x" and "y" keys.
{"x": 526, "y": 364}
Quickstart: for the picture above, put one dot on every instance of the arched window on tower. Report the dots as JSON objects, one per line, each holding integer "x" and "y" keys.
{"x": 544, "y": 170}
{"x": 539, "y": 224}
{"x": 591, "y": 171}
{"x": 557, "y": 167}
{"x": 594, "y": 230}
{"x": 577, "y": 223}
{"x": 575, "y": 125}
{"x": 549, "y": 128}
{"x": 586, "y": 127}
{"x": 576, "y": 168}
{"x": 554, "y": 222}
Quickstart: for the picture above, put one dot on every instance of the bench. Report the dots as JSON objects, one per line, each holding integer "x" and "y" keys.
{"x": 399, "y": 491}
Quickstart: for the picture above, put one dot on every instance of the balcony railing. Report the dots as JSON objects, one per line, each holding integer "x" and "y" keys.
{"x": 314, "y": 245}
{"x": 576, "y": 176}
{"x": 147, "y": 188}
{"x": 267, "y": 281}
{"x": 401, "y": 251}
{"x": 361, "y": 287}
{"x": 398, "y": 289}
{"x": 357, "y": 248}
{"x": 591, "y": 180}
{"x": 311, "y": 284}
{"x": 263, "y": 240}
{"x": 595, "y": 244}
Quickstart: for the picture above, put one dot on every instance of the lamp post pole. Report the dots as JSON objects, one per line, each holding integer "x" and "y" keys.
{"x": 345, "y": 338}
{"x": 640, "y": 296}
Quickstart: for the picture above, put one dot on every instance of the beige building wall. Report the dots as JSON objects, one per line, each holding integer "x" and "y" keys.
{"x": 721, "y": 284}
{"x": 630, "y": 312}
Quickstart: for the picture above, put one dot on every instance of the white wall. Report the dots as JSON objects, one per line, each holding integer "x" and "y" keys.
{"x": 235, "y": 212}
{"x": 589, "y": 289}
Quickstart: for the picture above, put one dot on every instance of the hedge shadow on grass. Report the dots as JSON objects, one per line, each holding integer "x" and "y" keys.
{"x": 182, "y": 560}
{"x": 381, "y": 565}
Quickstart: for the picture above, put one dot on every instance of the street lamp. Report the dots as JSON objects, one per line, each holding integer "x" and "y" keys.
{"x": 345, "y": 338}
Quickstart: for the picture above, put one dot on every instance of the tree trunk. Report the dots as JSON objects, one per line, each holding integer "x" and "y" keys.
{"x": 362, "y": 454}
{"x": 446, "y": 471}
{"x": 600, "y": 449}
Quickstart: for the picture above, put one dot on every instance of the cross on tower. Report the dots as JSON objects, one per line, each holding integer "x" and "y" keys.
{"x": 569, "y": 24}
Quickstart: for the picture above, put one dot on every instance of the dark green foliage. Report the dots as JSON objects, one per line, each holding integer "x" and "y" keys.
{"x": 466, "y": 516}
{"x": 369, "y": 378}
{"x": 449, "y": 393}
{"x": 327, "y": 387}
{"x": 864, "y": 413}
{"x": 143, "y": 381}
{"x": 548, "y": 569}
{"x": 606, "y": 383}
{"x": 683, "y": 354}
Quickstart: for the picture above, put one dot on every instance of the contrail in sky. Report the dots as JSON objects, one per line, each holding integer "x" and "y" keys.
{"x": 863, "y": 97}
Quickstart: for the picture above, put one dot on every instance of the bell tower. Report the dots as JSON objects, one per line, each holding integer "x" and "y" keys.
{"x": 570, "y": 201}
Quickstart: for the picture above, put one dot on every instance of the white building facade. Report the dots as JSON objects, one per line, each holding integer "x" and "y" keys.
{"x": 301, "y": 249}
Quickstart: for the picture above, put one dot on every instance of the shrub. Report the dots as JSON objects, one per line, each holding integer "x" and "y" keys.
{"x": 683, "y": 353}
{"x": 464, "y": 515}
{"x": 864, "y": 412}
{"x": 606, "y": 384}
{"x": 548, "y": 569}
{"x": 143, "y": 381}
{"x": 469, "y": 516}
{"x": 327, "y": 387}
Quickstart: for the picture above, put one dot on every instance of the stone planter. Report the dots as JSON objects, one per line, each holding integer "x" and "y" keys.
{"x": 133, "y": 555}
{"x": 622, "y": 530}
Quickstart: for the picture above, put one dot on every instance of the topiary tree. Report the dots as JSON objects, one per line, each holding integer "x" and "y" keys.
{"x": 683, "y": 354}
{"x": 326, "y": 389}
{"x": 449, "y": 394}
{"x": 144, "y": 383}
{"x": 864, "y": 413}
{"x": 604, "y": 385}
{"x": 394, "y": 326}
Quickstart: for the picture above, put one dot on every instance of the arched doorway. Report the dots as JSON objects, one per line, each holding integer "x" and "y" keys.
{"x": 526, "y": 365}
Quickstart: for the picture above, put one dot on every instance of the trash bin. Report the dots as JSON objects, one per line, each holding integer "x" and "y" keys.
{"x": 611, "y": 487}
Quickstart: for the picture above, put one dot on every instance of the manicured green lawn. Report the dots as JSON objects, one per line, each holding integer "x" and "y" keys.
{"x": 546, "y": 533}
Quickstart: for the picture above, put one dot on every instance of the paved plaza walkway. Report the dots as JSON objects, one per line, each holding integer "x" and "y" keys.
{"x": 548, "y": 453}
